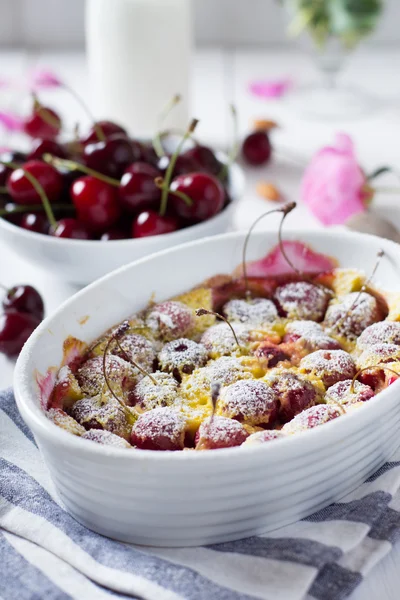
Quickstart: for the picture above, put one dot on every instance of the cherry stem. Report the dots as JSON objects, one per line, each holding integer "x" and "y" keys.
{"x": 39, "y": 189}
{"x": 97, "y": 128}
{"x": 135, "y": 364}
{"x": 285, "y": 210}
{"x": 121, "y": 329}
{"x": 3, "y": 189}
{"x": 161, "y": 185}
{"x": 157, "y": 139}
{"x": 46, "y": 115}
{"x": 171, "y": 166}
{"x": 203, "y": 311}
{"x": 24, "y": 208}
{"x": 215, "y": 389}
{"x": 387, "y": 190}
{"x": 364, "y": 286}
{"x": 234, "y": 151}
{"x": 379, "y": 366}
{"x": 75, "y": 166}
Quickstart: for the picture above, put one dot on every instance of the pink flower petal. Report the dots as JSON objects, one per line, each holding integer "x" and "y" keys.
{"x": 43, "y": 78}
{"x": 301, "y": 255}
{"x": 270, "y": 88}
{"x": 45, "y": 384}
{"x": 333, "y": 183}
{"x": 11, "y": 121}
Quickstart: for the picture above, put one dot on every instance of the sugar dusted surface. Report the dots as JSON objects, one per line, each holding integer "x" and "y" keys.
{"x": 261, "y": 437}
{"x": 137, "y": 348}
{"x": 150, "y": 395}
{"x": 312, "y": 417}
{"x": 91, "y": 377}
{"x": 162, "y": 427}
{"x": 221, "y": 432}
{"x": 106, "y": 438}
{"x": 352, "y": 314}
{"x": 251, "y": 401}
{"x": 182, "y": 354}
{"x": 170, "y": 320}
{"x": 61, "y": 419}
{"x": 219, "y": 339}
{"x": 303, "y": 300}
{"x": 379, "y": 354}
{"x": 101, "y": 412}
{"x": 345, "y": 393}
{"x": 294, "y": 392}
{"x": 384, "y": 332}
{"x": 329, "y": 365}
{"x": 254, "y": 312}
{"x": 312, "y": 335}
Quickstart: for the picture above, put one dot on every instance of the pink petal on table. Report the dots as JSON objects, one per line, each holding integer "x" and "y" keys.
{"x": 304, "y": 258}
{"x": 43, "y": 78}
{"x": 270, "y": 88}
{"x": 10, "y": 121}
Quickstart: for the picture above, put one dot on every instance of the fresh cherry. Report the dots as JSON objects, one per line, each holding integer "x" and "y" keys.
{"x": 21, "y": 189}
{"x": 205, "y": 158}
{"x": 70, "y": 228}
{"x": 205, "y": 192}
{"x": 113, "y": 234}
{"x": 138, "y": 190}
{"x": 15, "y": 157}
{"x": 25, "y": 299}
{"x": 41, "y": 147}
{"x": 96, "y": 203}
{"x": 43, "y": 123}
{"x": 107, "y": 128}
{"x": 256, "y": 148}
{"x": 149, "y": 223}
{"x": 111, "y": 156}
{"x": 15, "y": 329}
{"x": 35, "y": 222}
{"x": 184, "y": 164}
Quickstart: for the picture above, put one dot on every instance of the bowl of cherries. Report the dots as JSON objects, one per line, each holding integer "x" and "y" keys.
{"x": 81, "y": 208}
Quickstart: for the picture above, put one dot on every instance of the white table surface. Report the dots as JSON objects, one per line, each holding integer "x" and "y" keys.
{"x": 219, "y": 78}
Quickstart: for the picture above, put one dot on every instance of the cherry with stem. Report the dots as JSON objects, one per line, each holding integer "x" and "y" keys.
{"x": 204, "y": 311}
{"x": 75, "y": 166}
{"x": 234, "y": 151}
{"x": 381, "y": 367}
{"x": 156, "y": 142}
{"x": 23, "y": 208}
{"x": 215, "y": 390}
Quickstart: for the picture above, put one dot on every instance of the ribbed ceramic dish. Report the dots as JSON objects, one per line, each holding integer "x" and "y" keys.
{"x": 192, "y": 498}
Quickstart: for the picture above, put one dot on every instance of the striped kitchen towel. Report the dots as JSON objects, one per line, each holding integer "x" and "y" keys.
{"x": 46, "y": 554}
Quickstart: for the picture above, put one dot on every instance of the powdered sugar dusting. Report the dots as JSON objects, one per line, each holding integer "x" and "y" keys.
{"x": 106, "y": 438}
{"x": 311, "y": 334}
{"x": 354, "y": 313}
{"x": 170, "y": 320}
{"x": 255, "y": 312}
{"x": 329, "y": 365}
{"x": 380, "y": 333}
{"x": 182, "y": 354}
{"x": 251, "y": 401}
{"x": 61, "y": 419}
{"x": 159, "y": 429}
{"x": 91, "y": 377}
{"x": 312, "y": 417}
{"x": 346, "y": 393}
{"x": 261, "y": 437}
{"x": 379, "y": 354}
{"x": 303, "y": 300}
{"x": 221, "y": 432}
{"x": 220, "y": 341}
{"x": 137, "y": 348}
{"x": 150, "y": 395}
{"x": 101, "y": 412}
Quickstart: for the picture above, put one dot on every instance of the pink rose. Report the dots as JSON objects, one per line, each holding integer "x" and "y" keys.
{"x": 333, "y": 185}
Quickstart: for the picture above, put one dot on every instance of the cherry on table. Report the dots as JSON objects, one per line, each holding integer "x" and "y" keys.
{"x": 35, "y": 222}
{"x": 70, "y": 228}
{"x": 149, "y": 223}
{"x": 43, "y": 123}
{"x": 205, "y": 191}
{"x": 96, "y": 203}
{"x": 256, "y": 148}
{"x": 111, "y": 156}
{"x": 107, "y": 128}
{"x": 25, "y": 299}
{"x": 21, "y": 189}
{"x": 138, "y": 190}
{"x": 41, "y": 147}
{"x": 15, "y": 329}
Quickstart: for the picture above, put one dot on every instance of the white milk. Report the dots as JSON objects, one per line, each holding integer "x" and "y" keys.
{"x": 139, "y": 58}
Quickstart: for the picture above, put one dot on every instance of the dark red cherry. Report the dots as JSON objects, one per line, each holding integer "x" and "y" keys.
{"x": 114, "y": 234}
{"x": 111, "y": 156}
{"x": 35, "y": 222}
{"x": 256, "y": 148}
{"x": 205, "y": 159}
{"x": 96, "y": 203}
{"x": 108, "y": 128}
{"x": 138, "y": 190}
{"x": 204, "y": 190}
{"x": 15, "y": 329}
{"x": 15, "y": 157}
{"x": 25, "y": 299}
{"x": 11, "y": 216}
{"x": 72, "y": 229}
{"x": 43, "y": 123}
{"x": 41, "y": 147}
{"x": 149, "y": 223}
{"x": 184, "y": 164}
{"x": 21, "y": 189}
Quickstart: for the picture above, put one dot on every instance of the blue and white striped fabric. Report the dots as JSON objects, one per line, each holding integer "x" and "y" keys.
{"x": 45, "y": 553}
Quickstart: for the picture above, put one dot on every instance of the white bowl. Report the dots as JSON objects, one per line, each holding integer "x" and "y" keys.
{"x": 81, "y": 262}
{"x": 192, "y": 498}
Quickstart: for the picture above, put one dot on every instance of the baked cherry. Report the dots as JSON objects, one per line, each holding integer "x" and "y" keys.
{"x": 160, "y": 390}
{"x": 24, "y": 298}
{"x": 43, "y": 123}
{"x": 219, "y": 432}
{"x": 70, "y": 228}
{"x": 137, "y": 191}
{"x": 312, "y": 417}
{"x": 378, "y": 354}
{"x": 105, "y": 128}
{"x": 270, "y": 354}
{"x": 256, "y": 148}
{"x": 219, "y": 339}
{"x": 159, "y": 429}
{"x": 149, "y": 223}
{"x": 254, "y": 311}
{"x": 261, "y": 437}
{"x": 329, "y": 365}
{"x": 111, "y": 156}
{"x": 102, "y": 412}
{"x": 295, "y": 394}
{"x": 302, "y": 300}
{"x": 96, "y": 203}
{"x": 136, "y": 348}
{"x": 41, "y": 147}
{"x": 310, "y": 336}
{"x": 352, "y": 314}
{"x": 105, "y": 438}
{"x": 35, "y": 222}
{"x": 21, "y": 189}
{"x": 346, "y": 392}
{"x": 121, "y": 374}
{"x": 252, "y": 402}
{"x": 384, "y": 332}
{"x": 205, "y": 159}
{"x": 182, "y": 356}
{"x": 15, "y": 329}
{"x": 62, "y": 419}
{"x": 205, "y": 192}
{"x": 170, "y": 320}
